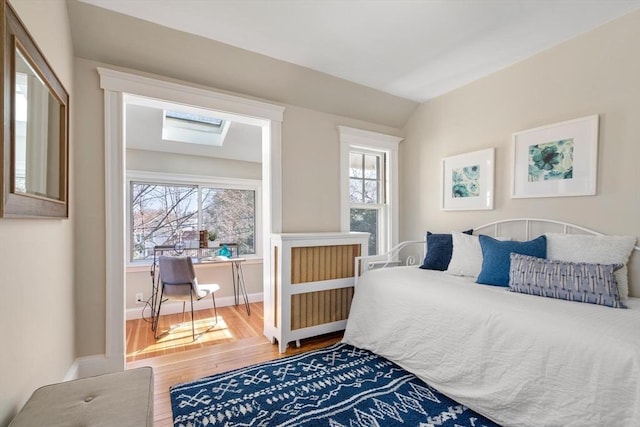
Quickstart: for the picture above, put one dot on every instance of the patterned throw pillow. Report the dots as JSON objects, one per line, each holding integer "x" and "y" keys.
{"x": 573, "y": 281}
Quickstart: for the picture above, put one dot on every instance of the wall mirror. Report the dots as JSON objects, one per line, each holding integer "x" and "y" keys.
{"x": 35, "y": 128}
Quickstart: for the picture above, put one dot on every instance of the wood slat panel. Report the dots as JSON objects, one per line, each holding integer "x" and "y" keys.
{"x": 317, "y": 263}
{"x": 296, "y": 266}
{"x": 327, "y": 307}
{"x": 317, "y": 308}
{"x": 303, "y": 311}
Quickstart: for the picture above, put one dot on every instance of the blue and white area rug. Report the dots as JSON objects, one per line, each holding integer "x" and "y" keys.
{"x": 339, "y": 385}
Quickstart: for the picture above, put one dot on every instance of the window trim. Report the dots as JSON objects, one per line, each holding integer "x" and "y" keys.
{"x": 358, "y": 139}
{"x": 200, "y": 180}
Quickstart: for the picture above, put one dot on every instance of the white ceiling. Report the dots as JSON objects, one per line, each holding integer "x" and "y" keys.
{"x": 416, "y": 49}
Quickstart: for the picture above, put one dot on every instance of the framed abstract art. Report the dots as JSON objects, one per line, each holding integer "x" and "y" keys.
{"x": 556, "y": 160}
{"x": 467, "y": 181}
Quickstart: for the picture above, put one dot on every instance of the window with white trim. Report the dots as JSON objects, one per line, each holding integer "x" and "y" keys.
{"x": 367, "y": 195}
{"x": 165, "y": 210}
{"x": 369, "y": 186}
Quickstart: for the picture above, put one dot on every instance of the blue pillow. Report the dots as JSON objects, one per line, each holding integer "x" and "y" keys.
{"x": 496, "y": 257}
{"x": 439, "y": 251}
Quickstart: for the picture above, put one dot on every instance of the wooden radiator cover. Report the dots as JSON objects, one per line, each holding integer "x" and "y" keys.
{"x": 313, "y": 277}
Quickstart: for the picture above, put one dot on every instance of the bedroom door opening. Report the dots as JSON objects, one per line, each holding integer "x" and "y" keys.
{"x": 189, "y": 169}
{"x": 118, "y": 88}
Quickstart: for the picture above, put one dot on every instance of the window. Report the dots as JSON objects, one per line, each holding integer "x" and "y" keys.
{"x": 163, "y": 212}
{"x": 367, "y": 194}
{"x": 370, "y": 186}
{"x": 194, "y": 128}
{"x": 187, "y": 118}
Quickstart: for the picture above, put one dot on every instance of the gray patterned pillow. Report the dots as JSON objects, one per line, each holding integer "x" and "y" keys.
{"x": 573, "y": 281}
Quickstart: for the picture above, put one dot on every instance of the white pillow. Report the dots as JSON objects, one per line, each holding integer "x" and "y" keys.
{"x": 466, "y": 257}
{"x": 593, "y": 249}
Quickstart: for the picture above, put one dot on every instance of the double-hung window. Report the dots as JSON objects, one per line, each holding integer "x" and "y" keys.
{"x": 367, "y": 195}
{"x": 171, "y": 209}
{"x": 370, "y": 186}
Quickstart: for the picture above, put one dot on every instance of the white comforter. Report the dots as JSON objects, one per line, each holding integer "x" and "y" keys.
{"x": 520, "y": 360}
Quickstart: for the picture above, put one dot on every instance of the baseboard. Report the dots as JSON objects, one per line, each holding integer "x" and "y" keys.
{"x": 90, "y": 366}
{"x": 173, "y": 308}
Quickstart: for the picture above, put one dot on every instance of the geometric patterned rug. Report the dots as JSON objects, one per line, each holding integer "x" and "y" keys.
{"x": 336, "y": 386}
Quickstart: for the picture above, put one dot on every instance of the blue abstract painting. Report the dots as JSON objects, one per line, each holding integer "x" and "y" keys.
{"x": 551, "y": 160}
{"x": 465, "y": 181}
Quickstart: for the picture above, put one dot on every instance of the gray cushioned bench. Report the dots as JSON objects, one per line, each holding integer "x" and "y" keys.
{"x": 120, "y": 399}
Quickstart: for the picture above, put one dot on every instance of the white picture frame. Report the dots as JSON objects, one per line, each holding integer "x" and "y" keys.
{"x": 467, "y": 181}
{"x": 558, "y": 160}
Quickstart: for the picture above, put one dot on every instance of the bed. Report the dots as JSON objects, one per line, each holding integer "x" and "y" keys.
{"x": 519, "y": 359}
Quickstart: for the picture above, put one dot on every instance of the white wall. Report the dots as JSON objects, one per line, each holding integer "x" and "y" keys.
{"x": 36, "y": 256}
{"x": 596, "y": 73}
{"x": 155, "y": 161}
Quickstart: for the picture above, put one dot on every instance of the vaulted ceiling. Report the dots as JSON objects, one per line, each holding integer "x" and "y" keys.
{"x": 371, "y": 60}
{"x": 412, "y": 49}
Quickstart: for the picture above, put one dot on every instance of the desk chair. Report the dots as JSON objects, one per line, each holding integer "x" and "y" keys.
{"x": 178, "y": 282}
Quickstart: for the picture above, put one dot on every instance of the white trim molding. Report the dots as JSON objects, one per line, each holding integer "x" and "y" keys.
{"x": 351, "y": 138}
{"x": 117, "y": 86}
{"x": 182, "y": 178}
{"x": 251, "y": 111}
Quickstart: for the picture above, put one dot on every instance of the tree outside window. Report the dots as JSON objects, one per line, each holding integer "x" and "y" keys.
{"x": 232, "y": 215}
{"x": 366, "y": 194}
{"x": 165, "y": 214}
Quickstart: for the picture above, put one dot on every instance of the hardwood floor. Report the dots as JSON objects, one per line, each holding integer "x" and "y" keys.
{"x": 234, "y": 342}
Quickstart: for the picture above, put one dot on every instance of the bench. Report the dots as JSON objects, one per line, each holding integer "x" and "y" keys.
{"x": 120, "y": 399}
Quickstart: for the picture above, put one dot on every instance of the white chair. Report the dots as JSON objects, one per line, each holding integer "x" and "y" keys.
{"x": 178, "y": 282}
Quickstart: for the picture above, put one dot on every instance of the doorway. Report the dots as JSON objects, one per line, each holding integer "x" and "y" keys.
{"x": 117, "y": 87}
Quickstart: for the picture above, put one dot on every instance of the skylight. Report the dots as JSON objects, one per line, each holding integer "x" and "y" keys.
{"x": 194, "y": 128}
{"x": 193, "y": 118}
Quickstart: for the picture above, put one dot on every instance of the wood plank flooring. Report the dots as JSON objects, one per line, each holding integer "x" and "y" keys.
{"x": 235, "y": 341}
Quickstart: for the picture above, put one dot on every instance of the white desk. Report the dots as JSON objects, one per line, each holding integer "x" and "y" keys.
{"x": 239, "y": 286}
{"x": 237, "y": 275}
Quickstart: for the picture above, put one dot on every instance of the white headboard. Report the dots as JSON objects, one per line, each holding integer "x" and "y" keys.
{"x": 412, "y": 252}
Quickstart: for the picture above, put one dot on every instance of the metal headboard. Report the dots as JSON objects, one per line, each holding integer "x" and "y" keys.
{"x": 518, "y": 228}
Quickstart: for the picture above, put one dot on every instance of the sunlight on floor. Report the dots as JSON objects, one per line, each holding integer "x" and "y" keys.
{"x": 180, "y": 335}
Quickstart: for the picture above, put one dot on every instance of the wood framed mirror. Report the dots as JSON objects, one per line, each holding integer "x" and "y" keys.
{"x": 35, "y": 142}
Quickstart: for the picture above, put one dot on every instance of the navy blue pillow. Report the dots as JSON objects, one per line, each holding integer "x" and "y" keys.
{"x": 496, "y": 257}
{"x": 439, "y": 251}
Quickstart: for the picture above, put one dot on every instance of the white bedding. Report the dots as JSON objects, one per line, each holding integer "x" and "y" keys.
{"x": 518, "y": 359}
